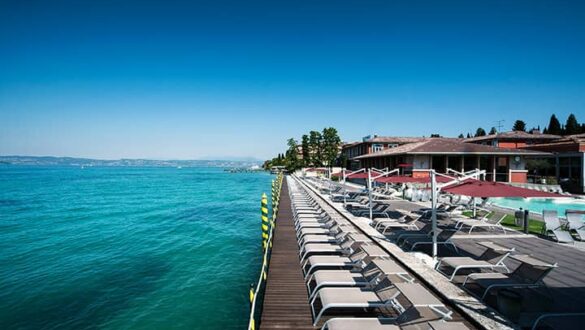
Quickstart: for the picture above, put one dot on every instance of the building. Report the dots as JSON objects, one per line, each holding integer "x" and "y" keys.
{"x": 565, "y": 161}
{"x": 440, "y": 154}
{"x": 371, "y": 144}
{"x": 513, "y": 139}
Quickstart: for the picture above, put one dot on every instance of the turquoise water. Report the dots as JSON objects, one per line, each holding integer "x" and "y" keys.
{"x": 128, "y": 248}
{"x": 537, "y": 205}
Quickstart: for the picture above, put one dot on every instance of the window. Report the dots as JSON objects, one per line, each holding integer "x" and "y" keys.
{"x": 377, "y": 147}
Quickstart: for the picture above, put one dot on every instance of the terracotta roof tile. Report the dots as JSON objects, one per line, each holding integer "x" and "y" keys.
{"x": 448, "y": 146}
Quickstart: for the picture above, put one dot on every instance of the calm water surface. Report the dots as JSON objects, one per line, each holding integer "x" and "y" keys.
{"x": 128, "y": 248}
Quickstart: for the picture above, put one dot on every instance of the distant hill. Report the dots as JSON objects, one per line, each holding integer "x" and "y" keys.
{"x": 70, "y": 161}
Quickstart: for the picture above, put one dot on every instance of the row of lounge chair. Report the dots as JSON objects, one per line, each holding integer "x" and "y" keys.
{"x": 529, "y": 274}
{"x": 563, "y": 231}
{"x": 352, "y": 281}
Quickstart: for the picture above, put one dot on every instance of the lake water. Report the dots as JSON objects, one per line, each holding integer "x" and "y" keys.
{"x": 128, "y": 248}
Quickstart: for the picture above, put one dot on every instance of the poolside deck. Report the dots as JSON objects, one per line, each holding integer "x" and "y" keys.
{"x": 565, "y": 290}
{"x": 286, "y": 301}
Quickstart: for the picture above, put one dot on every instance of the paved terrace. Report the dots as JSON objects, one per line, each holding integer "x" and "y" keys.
{"x": 565, "y": 291}
{"x": 465, "y": 304}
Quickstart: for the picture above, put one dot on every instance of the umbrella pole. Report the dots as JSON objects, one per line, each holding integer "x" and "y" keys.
{"x": 370, "y": 191}
{"x": 474, "y": 211}
{"x": 344, "y": 193}
{"x": 434, "y": 212}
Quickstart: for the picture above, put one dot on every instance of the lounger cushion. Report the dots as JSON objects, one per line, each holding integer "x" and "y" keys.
{"x": 322, "y": 247}
{"x": 348, "y": 296}
{"x": 487, "y": 279}
{"x": 363, "y": 323}
{"x": 463, "y": 261}
{"x": 328, "y": 260}
{"x": 338, "y": 276}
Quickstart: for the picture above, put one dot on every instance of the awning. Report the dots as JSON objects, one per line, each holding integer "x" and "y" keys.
{"x": 410, "y": 179}
{"x": 485, "y": 189}
{"x": 360, "y": 175}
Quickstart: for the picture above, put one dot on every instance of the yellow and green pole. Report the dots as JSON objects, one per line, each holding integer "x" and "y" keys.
{"x": 265, "y": 223}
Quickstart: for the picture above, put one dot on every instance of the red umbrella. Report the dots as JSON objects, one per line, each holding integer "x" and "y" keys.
{"x": 485, "y": 189}
{"x": 361, "y": 175}
{"x": 409, "y": 179}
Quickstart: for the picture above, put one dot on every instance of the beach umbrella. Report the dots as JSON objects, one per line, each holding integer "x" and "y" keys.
{"x": 468, "y": 186}
{"x": 486, "y": 189}
{"x": 409, "y": 179}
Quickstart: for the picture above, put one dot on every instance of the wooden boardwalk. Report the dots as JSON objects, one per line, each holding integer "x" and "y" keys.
{"x": 286, "y": 304}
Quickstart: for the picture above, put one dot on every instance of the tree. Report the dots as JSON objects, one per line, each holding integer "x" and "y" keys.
{"x": 291, "y": 159}
{"x": 493, "y": 131}
{"x": 315, "y": 140}
{"x": 519, "y": 126}
{"x": 572, "y": 126}
{"x": 329, "y": 146}
{"x": 305, "y": 147}
{"x": 461, "y": 136}
{"x": 554, "y": 126}
{"x": 468, "y": 135}
{"x": 480, "y": 132}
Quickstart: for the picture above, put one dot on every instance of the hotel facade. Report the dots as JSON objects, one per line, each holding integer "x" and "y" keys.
{"x": 505, "y": 156}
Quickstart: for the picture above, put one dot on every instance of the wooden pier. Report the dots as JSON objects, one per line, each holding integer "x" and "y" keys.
{"x": 286, "y": 304}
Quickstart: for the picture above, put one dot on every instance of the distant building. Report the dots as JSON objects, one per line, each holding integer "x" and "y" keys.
{"x": 372, "y": 144}
{"x": 513, "y": 139}
{"x": 566, "y": 158}
{"x": 440, "y": 154}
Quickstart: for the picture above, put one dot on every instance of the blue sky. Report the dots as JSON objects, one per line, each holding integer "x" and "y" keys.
{"x": 170, "y": 79}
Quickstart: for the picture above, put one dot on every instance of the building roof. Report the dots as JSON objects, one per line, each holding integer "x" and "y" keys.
{"x": 514, "y": 135}
{"x": 565, "y": 144}
{"x": 443, "y": 146}
{"x": 394, "y": 139}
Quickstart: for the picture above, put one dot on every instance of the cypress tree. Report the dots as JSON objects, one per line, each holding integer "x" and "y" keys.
{"x": 572, "y": 126}
{"x": 554, "y": 126}
{"x": 480, "y": 132}
{"x": 519, "y": 125}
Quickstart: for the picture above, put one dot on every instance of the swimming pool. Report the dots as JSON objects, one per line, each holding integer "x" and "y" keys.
{"x": 536, "y": 205}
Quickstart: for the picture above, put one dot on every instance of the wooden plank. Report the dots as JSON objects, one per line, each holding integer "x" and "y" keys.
{"x": 286, "y": 303}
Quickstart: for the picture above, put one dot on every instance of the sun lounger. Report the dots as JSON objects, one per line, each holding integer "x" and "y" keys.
{"x": 369, "y": 323}
{"x": 369, "y": 276}
{"x": 553, "y": 227}
{"x": 530, "y": 273}
{"x": 399, "y": 235}
{"x": 401, "y": 297}
{"x": 349, "y": 244}
{"x": 481, "y": 223}
{"x": 334, "y": 230}
{"x": 381, "y": 323}
{"x": 576, "y": 225}
{"x": 443, "y": 238}
{"x": 410, "y": 222}
{"x": 360, "y": 258}
{"x": 492, "y": 258}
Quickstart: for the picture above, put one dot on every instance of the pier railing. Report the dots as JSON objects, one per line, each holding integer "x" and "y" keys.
{"x": 268, "y": 225}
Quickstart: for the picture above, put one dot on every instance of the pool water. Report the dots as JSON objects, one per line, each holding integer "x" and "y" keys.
{"x": 537, "y": 205}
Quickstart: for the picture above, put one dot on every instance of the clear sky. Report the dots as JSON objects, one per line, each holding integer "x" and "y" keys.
{"x": 185, "y": 80}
